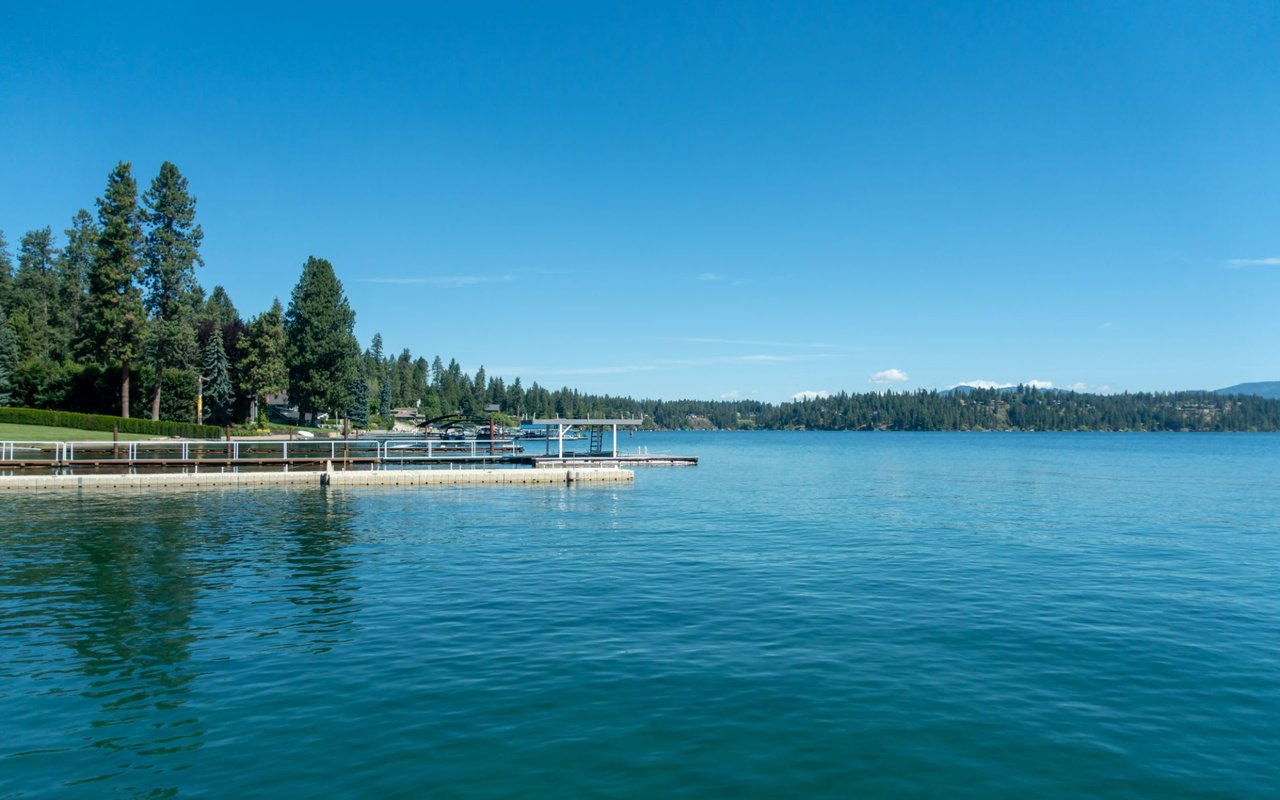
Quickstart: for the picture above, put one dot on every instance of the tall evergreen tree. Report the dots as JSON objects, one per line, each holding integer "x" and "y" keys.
{"x": 114, "y": 314}
{"x": 262, "y": 367}
{"x": 321, "y": 347}
{"x": 384, "y": 397}
{"x": 34, "y": 296}
{"x": 172, "y": 252}
{"x": 218, "y": 394}
{"x": 8, "y": 359}
{"x": 358, "y": 405}
{"x": 219, "y": 309}
{"x": 73, "y": 271}
{"x": 6, "y": 272}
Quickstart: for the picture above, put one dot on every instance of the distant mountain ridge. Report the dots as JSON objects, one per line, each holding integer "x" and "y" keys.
{"x": 1269, "y": 389}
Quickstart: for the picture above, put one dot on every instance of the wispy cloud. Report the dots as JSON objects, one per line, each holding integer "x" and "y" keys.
{"x": 810, "y": 394}
{"x": 442, "y": 281}
{"x": 709, "y": 277}
{"x": 663, "y": 364}
{"x": 754, "y": 342}
{"x": 1240, "y": 263}
{"x": 888, "y": 377}
{"x": 732, "y": 394}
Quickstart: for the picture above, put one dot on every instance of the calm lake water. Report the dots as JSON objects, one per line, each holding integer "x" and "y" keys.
{"x": 804, "y": 615}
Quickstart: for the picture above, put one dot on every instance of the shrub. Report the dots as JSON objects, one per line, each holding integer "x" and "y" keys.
{"x": 102, "y": 422}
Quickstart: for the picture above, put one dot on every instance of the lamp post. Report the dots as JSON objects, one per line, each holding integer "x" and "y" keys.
{"x": 199, "y": 399}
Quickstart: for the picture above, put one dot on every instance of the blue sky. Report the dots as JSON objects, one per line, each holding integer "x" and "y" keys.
{"x": 702, "y": 200}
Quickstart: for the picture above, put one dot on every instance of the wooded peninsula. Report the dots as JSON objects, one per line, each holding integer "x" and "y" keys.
{"x": 114, "y": 318}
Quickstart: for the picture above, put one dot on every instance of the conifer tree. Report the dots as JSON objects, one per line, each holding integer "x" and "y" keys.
{"x": 262, "y": 369}
{"x": 8, "y": 359}
{"x": 358, "y": 407}
{"x": 172, "y": 252}
{"x": 218, "y": 394}
{"x": 34, "y": 292}
{"x": 73, "y": 271}
{"x": 321, "y": 347}
{"x": 384, "y": 398}
{"x": 114, "y": 314}
{"x": 6, "y": 272}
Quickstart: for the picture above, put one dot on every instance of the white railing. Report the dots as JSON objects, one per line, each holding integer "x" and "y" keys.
{"x": 260, "y": 450}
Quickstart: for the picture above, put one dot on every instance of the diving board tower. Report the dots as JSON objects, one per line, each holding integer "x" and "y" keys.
{"x": 597, "y": 428}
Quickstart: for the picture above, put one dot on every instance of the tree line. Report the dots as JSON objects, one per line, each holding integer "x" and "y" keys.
{"x": 115, "y": 317}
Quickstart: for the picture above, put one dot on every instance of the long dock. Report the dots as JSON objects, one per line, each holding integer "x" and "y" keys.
{"x": 389, "y": 477}
{"x": 290, "y": 455}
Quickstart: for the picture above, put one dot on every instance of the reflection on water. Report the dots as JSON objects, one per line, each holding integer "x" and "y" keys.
{"x": 101, "y": 614}
{"x": 320, "y": 569}
{"x": 118, "y": 598}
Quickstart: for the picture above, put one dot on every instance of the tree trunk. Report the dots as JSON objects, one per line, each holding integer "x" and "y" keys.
{"x": 124, "y": 388}
{"x": 155, "y": 398}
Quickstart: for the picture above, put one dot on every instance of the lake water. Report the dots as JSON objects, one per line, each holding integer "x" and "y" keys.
{"x": 804, "y": 614}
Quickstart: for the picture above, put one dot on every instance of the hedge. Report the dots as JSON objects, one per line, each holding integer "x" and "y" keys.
{"x": 102, "y": 422}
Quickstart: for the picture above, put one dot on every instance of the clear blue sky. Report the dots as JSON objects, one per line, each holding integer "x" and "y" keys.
{"x": 702, "y": 200}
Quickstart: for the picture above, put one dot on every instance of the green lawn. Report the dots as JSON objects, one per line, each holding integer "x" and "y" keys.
{"x": 43, "y": 433}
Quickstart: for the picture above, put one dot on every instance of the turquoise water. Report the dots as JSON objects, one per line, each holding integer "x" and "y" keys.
{"x": 804, "y": 614}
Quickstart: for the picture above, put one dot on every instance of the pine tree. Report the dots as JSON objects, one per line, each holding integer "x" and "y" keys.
{"x": 218, "y": 394}
{"x": 114, "y": 314}
{"x": 172, "y": 252}
{"x": 34, "y": 295}
{"x": 384, "y": 398}
{"x": 262, "y": 369}
{"x": 8, "y": 359}
{"x": 358, "y": 407}
{"x": 320, "y": 346}
{"x": 73, "y": 273}
{"x": 6, "y": 273}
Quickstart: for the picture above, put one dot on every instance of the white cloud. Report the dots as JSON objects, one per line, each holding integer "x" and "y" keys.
{"x": 709, "y": 277}
{"x": 1238, "y": 263}
{"x": 446, "y": 281}
{"x": 1077, "y": 387}
{"x": 1036, "y": 384}
{"x": 810, "y": 394}
{"x": 888, "y": 377}
{"x": 732, "y": 394}
{"x": 664, "y": 364}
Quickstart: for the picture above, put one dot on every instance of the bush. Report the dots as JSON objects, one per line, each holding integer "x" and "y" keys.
{"x": 102, "y": 422}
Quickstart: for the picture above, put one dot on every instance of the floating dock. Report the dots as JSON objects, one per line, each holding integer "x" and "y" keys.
{"x": 389, "y": 477}
{"x": 184, "y": 456}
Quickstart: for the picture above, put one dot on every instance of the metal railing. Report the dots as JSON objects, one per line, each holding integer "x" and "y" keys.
{"x": 257, "y": 451}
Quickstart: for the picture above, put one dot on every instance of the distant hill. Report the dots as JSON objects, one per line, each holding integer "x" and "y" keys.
{"x": 1269, "y": 389}
{"x": 966, "y": 390}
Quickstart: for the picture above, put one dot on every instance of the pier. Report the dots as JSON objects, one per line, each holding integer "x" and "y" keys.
{"x": 371, "y": 461}
{"x": 327, "y": 477}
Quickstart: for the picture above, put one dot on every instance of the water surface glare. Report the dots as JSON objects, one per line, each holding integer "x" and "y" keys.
{"x": 804, "y": 614}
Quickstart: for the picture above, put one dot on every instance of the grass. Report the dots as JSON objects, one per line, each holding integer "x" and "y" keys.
{"x": 43, "y": 433}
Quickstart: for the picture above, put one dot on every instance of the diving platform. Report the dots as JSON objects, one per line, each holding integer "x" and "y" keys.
{"x": 595, "y": 427}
